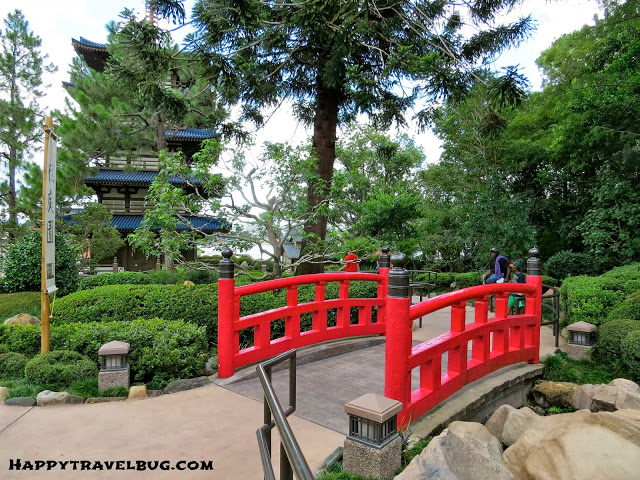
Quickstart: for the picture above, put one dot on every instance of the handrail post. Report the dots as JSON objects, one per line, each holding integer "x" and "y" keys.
{"x": 398, "y": 346}
{"x": 226, "y": 287}
{"x": 534, "y": 277}
{"x": 383, "y": 269}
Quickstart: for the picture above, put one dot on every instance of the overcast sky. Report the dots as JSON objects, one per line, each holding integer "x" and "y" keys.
{"x": 57, "y": 22}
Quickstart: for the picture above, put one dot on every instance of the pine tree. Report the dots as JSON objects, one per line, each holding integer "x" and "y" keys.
{"x": 21, "y": 68}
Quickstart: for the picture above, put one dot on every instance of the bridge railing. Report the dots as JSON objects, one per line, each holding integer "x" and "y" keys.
{"x": 472, "y": 350}
{"x": 230, "y": 324}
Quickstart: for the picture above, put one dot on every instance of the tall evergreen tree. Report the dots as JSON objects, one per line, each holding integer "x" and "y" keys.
{"x": 21, "y": 68}
{"x": 336, "y": 60}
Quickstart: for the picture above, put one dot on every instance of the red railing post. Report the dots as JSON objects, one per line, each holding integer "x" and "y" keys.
{"x": 397, "y": 382}
{"x": 534, "y": 277}
{"x": 226, "y": 311}
{"x": 384, "y": 264}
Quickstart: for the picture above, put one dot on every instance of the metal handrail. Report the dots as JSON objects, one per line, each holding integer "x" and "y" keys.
{"x": 419, "y": 286}
{"x": 555, "y": 308}
{"x": 292, "y": 460}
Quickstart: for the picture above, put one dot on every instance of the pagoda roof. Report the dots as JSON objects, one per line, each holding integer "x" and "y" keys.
{"x": 83, "y": 42}
{"x": 119, "y": 177}
{"x": 128, "y": 223}
{"x": 94, "y": 54}
{"x": 193, "y": 134}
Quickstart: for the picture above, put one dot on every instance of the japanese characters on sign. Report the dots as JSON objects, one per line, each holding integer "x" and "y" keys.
{"x": 49, "y": 215}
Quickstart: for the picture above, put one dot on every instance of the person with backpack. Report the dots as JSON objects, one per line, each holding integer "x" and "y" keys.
{"x": 498, "y": 268}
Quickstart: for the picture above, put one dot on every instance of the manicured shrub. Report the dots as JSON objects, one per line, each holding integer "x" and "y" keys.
{"x": 560, "y": 368}
{"x": 465, "y": 280}
{"x": 163, "y": 277}
{"x": 23, "y": 339}
{"x": 629, "y": 308}
{"x": 630, "y": 348}
{"x": 22, "y": 302}
{"x": 60, "y": 368}
{"x": 584, "y": 298}
{"x": 120, "y": 278}
{"x": 566, "y": 263}
{"x": 202, "y": 277}
{"x": 22, "y": 265}
{"x": 12, "y": 365}
{"x": 549, "y": 281}
{"x": 609, "y": 340}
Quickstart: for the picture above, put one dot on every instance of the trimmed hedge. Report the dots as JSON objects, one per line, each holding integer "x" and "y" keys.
{"x": 609, "y": 340}
{"x": 567, "y": 263}
{"x": 465, "y": 280}
{"x": 196, "y": 304}
{"x": 60, "y": 368}
{"x": 549, "y": 281}
{"x": 585, "y": 299}
{"x": 630, "y": 348}
{"x": 629, "y": 308}
{"x": 160, "y": 351}
{"x": 22, "y": 302}
{"x": 12, "y": 365}
{"x": 120, "y": 278}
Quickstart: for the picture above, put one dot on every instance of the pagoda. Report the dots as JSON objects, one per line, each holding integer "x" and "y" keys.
{"x": 122, "y": 182}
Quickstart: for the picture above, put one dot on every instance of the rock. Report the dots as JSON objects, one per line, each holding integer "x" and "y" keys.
{"x": 188, "y": 282}
{"x": 154, "y": 393}
{"x": 495, "y": 424}
{"x": 554, "y": 394}
{"x": 22, "y": 319}
{"x": 582, "y": 445}
{"x": 20, "y": 402}
{"x": 624, "y": 384}
{"x": 629, "y": 413}
{"x": 604, "y": 399}
{"x": 212, "y": 365}
{"x": 628, "y": 399}
{"x": 75, "y": 400}
{"x": 516, "y": 423}
{"x": 538, "y": 410}
{"x": 186, "y": 384}
{"x": 454, "y": 456}
{"x": 105, "y": 399}
{"x": 138, "y": 391}
{"x": 494, "y": 447}
{"x": 333, "y": 457}
{"x": 4, "y": 394}
{"x": 583, "y": 396}
{"x": 47, "y": 397}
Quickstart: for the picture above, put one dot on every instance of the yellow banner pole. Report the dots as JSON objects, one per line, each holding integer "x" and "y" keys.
{"x": 45, "y": 308}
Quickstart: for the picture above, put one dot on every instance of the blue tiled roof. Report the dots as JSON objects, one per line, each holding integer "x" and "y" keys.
{"x": 191, "y": 134}
{"x": 144, "y": 177}
{"x": 205, "y": 224}
{"x": 89, "y": 43}
{"x": 291, "y": 251}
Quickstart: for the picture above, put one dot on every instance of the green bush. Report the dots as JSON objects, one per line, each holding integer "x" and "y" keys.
{"x": 12, "y": 365}
{"x": 60, "y": 368}
{"x": 21, "y": 387}
{"x": 22, "y": 265}
{"x": 630, "y": 348}
{"x": 609, "y": 340}
{"x": 120, "y": 278}
{"x": 465, "y": 280}
{"x": 585, "y": 299}
{"x": 629, "y": 308}
{"x": 163, "y": 277}
{"x": 560, "y": 368}
{"x": 23, "y": 339}
{"x": 192, "y": 303}
{"x": 567, "y": 263}
{"x": 22, "y": 302}
{"x": 202, "y": 277}
{"x": 549, "y": 281}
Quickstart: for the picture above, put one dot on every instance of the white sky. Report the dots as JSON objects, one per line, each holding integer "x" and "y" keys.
{"x": 57, "y": 22}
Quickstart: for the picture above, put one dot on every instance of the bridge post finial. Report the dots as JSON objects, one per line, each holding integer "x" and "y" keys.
{"x": 398, "y": 277}
{"x": 226, "y": 264}
{"x": 534, "y": 264}
{"x": 385, "y": 258}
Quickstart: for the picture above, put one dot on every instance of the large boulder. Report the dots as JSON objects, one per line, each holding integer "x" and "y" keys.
{"x": 495, "y": 424}
{"x": 462, "y": 452}
{"x": 4, "y": 394}
{"x": 516, "y": 423}
{"x": 618, "y": 394}
{"x": 186, "y": 384}
{"x": 554, "y": 394}
{"x": 583, "y": 444}
{"x": 22, "y": 319}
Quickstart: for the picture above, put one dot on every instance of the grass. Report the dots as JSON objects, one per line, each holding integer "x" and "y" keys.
{"x": 21, "y": 387}
{"x": 22, "y": 302}
{"x": 560, "y": 368}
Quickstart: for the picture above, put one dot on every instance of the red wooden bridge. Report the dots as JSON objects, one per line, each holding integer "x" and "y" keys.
{"x": 494, "y": 343}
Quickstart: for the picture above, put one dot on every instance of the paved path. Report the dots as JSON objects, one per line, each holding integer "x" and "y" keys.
{"x": 209, "y": 423}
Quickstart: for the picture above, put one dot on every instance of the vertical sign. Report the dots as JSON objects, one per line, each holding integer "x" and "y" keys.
{"x": 49, "y": 212}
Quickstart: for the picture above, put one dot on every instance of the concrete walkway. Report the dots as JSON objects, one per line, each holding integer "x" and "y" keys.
{"x": 210, "y": 423}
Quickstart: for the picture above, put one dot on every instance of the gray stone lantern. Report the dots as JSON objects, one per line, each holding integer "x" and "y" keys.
{"x": 114, "y": 369}
{"x": 582, "y": 336}
{"x": 373, "y": 447}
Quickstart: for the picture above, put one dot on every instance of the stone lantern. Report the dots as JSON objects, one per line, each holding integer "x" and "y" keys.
{"x": 582, "y": 337}
{"x": 114, "y": 369}
{"x": 373, "y": 447}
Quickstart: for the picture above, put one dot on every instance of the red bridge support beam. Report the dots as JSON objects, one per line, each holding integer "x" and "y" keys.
{"x": 226, "y": 316}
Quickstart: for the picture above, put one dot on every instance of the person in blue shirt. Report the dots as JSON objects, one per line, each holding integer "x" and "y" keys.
{"x": 516, "y": 300}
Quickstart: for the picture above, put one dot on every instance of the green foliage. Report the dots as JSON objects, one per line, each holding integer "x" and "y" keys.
{"x": 335, "y": 472}
{"x": 585, "y": 299}
{"x": 416, "y": 449}
{"x": 560, "y": 368}
{"x": 12, "y": 365}
{"x": 21, "y": 387}
{"x": 201, "y": 277}
{"x": 22, "y": 265}
{"x": 166, "y": 277}
{"x": 85, "y": 388}
{"x": 60, "y": 368}
{"x": 22, "y": 302}
{"x": 629, "y": 308}
{"x": 630, "y": 349}
{"x": 609, "y": 339}
{"x": 559, "y": 410}
{"x": 23, "y": 339}
{"x": 567, "y": 263}
{"x": 120, "y": 278}
{"x": 464, "y": 280}
{"x": 549, "y": 281}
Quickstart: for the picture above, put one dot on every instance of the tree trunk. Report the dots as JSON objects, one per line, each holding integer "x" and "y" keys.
{"x": 13, "y": 214}
{"x": 324, "y": 146}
